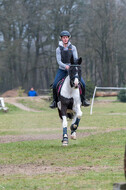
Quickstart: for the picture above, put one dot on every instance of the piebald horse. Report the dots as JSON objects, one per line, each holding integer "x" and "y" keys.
{"x": 69, "y": 103}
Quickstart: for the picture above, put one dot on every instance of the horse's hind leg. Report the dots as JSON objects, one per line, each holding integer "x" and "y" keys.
{"x": 74, "y": 127}
{"x": 65, "y": 135}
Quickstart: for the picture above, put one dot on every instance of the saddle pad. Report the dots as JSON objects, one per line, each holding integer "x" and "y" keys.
{"x": 80, "y": 89}
{"x": 59, "y": 85}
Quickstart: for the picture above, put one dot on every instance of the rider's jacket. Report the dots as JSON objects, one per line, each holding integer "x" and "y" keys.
{"x": 63, "y": 55}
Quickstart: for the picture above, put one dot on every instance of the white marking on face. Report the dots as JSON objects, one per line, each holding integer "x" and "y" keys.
{"x": 76, "y": 82}
{"x": 76, "y": 75}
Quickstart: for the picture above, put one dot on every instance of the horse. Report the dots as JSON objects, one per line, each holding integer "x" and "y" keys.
{"x": 69, "y": 101}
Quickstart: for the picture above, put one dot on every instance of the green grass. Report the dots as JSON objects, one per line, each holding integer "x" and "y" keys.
{"x": 107, "y": 98}
{"x": 104, "y": 160}
{"x": 34, "y": 104}
{"x": 95, "y": 161}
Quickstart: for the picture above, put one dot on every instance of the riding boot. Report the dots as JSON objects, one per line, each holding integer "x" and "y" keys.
{"x": 85, "y": 103}
{"x": 54, "y": 102}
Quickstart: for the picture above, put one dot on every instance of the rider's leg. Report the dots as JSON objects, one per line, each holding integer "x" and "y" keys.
{"x": 83, "y": 98}
{"x": 59, "y": 76}
{"x": 55, "y": 99}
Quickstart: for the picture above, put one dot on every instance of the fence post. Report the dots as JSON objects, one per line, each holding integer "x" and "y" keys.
{"x": 93, "y": 100}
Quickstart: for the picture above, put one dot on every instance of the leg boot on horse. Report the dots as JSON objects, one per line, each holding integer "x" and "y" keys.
{"x": 65, "y": 140}
{"x": 73, "y": 128}
{"x": 73, "y": 131}
{"x": 65, "y": 137}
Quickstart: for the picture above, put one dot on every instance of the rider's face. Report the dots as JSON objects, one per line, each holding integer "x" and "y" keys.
{"x": 65, "y": 39}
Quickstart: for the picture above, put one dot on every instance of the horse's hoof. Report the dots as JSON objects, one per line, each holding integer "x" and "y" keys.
{"x": 73, "y": 136}
{"x": 65, "y": 143}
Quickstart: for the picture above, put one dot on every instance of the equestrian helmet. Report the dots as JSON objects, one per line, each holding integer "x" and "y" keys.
{"x": 65, "y": 33}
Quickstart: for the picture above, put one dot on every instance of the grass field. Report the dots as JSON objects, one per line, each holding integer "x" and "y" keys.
{"x": 32, "y": 157}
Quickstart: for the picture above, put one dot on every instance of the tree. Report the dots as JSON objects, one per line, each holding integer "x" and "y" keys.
{"x": 29, "y": 35}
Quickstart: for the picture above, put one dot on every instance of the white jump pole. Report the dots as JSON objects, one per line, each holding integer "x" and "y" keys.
{"x": 103, "y": 88}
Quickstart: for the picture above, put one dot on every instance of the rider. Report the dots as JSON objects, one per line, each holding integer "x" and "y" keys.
{"x": 63, "y": 55}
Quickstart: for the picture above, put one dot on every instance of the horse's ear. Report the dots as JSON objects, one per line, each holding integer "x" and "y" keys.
{"x": 80, "y": 60}
{"x": 72, "y": 60}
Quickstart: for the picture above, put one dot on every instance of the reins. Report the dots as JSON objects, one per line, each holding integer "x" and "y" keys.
{"x": 75, "y": 65}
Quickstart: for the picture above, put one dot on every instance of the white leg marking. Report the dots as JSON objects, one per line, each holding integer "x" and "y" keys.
{"x": 64, "y": 123}
{"x": 78, "y": 111}
{"x": 74, "y": 119}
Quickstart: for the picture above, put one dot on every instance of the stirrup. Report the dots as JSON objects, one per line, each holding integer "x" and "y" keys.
{"x": 85, "y": 103}
{"x": 53, "y": 104}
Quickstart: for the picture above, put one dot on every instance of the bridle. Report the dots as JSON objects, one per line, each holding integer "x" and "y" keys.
{"x": 75, "y": 76}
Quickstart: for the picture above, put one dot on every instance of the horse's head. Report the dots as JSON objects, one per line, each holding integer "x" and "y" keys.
{"x": 75, "y": 72}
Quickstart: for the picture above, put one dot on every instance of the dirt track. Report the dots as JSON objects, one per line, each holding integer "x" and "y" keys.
{"x": 19, "y": 138}
{"x": 37, "y": 169}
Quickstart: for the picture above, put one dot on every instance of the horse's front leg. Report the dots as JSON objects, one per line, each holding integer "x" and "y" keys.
{"x": 75, "y": 122}
{"x": 78, "y": 111}
{"x": 65, "y": 135}
{"x": 74, "y": 126}
{"x": 64, "y": 124}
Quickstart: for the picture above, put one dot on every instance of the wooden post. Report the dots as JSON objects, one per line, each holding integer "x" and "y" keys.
{"x": 119, "y": 186}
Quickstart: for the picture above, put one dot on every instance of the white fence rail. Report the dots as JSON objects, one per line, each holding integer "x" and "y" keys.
{"x": 103, "y": 88}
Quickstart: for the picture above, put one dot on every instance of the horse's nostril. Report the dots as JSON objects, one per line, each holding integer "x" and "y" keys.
{"x": 76, "y": 85}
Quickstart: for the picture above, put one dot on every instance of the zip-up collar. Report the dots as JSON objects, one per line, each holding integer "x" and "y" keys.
{"x": 61, "y": 44}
